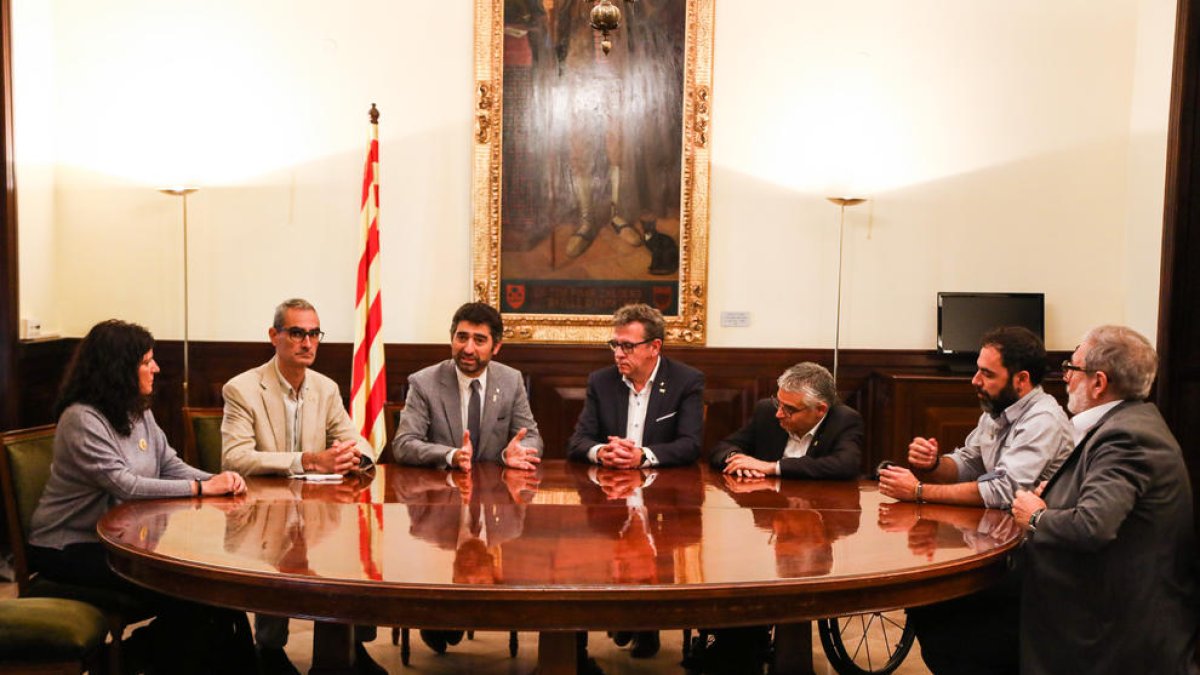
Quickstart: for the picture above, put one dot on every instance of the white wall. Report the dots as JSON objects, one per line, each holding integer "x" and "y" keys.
{"x": 34, "y": 144}
{"x": 1004, "y": 147}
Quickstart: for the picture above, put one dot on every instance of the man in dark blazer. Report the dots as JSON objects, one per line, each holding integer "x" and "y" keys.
{"x": 1110, "y": 559}
{"x": 801, "y": 432}
{"x": 435, "y": 427}
{"x": 645, "y": 410}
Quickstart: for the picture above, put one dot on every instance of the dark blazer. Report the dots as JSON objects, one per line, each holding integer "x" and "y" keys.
{"x": 834, "y": 454}
{"x": 674, "y": 417}
{"x": 1110, "y": 573}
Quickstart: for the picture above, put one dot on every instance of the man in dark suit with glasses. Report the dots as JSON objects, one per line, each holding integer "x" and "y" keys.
{"x": 801, "y": 432}
{"x": 645, "y": 410}
{"x": 1110, "y": 560}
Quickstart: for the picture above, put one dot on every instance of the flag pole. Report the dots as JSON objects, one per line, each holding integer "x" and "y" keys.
{"x": 368, "y": 388}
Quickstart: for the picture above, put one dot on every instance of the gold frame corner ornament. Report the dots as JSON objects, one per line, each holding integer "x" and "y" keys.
{"x": 689, "y": 326}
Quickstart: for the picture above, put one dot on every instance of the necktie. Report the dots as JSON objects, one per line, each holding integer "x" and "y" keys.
{"x": 473, "y": 418}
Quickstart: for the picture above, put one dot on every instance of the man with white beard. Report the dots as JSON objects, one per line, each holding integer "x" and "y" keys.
{"x": 1110, "y": 561}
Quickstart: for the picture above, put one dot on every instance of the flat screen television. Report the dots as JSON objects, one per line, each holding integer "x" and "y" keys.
{"x": 963, "y": 318}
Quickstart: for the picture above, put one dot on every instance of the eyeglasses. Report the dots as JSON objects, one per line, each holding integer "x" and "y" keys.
{"x": 297, "y": 334}
{"x": 627, "y": 347}
{"x": 788, "y": 410}
{"x": 1068, "y": 366}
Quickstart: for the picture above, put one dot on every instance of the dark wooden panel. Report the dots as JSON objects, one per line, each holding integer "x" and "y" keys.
{"x": 40, "y": 370}
{"x": 1178, "y": 391}
{"x": 937, "y": 406}
{"x": 9, "y": 295}
{"x": 900, "y": 393}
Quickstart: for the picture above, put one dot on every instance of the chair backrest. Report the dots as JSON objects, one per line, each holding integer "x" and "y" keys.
{"x": 202, "y": 438}
{"x": 24, "y": 471}
{"x": 391, "y": 422}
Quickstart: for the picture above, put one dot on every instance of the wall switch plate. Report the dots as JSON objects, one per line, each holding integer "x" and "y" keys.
{"x": 735, "y": 319}
{"x": 31, "y": 328}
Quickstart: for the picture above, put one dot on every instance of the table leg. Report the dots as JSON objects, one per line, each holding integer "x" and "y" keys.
{"x": 333, "y": 649}
{"x": 793, "y": 648}
{"x": 556, "y": 653}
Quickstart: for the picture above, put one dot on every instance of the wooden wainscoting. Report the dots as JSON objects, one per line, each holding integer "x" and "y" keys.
{"x": 901, "y": 393}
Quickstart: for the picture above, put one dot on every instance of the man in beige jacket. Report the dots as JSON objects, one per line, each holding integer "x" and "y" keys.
{"x": 282, "y": 418}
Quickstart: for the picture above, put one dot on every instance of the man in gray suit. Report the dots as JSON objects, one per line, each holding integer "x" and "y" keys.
{"x": 467, "y": 409}
{"x": 1110, "y": 559}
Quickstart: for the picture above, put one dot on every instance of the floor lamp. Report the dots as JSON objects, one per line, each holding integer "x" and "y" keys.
{"x": 842, "y": 203}
{"x": 183, "y": 193}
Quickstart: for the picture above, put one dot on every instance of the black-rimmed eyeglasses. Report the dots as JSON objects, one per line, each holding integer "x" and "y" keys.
{"x": 1067, "y": 366}
{"x": 626, "y": 347}
{"x": 297, "y": 334}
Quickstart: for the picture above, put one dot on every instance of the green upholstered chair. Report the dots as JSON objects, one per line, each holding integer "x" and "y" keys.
{"x": 202, "y": 442}
{"x": 50, "y": 635}
{"x": 24, "y": 469}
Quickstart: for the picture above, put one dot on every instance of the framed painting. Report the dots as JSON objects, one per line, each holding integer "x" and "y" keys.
{"x": 591, "y": 165}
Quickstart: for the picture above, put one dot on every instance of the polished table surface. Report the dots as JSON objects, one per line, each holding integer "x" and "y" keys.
{"x": 568, "y": 547}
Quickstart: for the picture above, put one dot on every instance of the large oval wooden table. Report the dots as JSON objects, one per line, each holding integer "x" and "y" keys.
{"x": 564, "y": 549}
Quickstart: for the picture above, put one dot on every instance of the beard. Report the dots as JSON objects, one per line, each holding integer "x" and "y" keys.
{"x": 470, "y": 365}
{"x": 995, "y": 405}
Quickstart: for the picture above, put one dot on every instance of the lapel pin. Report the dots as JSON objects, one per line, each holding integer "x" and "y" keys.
{"x": 141, "y": 444}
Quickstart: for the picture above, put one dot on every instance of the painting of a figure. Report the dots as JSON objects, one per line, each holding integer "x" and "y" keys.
{"x": 591, "y": 150}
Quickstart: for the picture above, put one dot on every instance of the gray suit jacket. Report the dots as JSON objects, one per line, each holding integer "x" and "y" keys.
{"x": 254, "y": 428}
{"x": 1110, "y": 574}
{"x": 431, "y": 425}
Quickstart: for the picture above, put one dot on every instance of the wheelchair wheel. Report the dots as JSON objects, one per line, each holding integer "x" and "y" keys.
{"x": 859, "y": 644}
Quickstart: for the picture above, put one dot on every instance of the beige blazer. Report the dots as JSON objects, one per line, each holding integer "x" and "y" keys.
{"x": 254, "y": 432}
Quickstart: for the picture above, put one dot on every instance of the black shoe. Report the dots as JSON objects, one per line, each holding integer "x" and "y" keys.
{"x": 435, "y": 640}
{"x": 621, "y": 637}
{"x": 274, "y": 661}
{"x": 363, "y": 663}
{"x": 645, "y": 644}
{"x": 453, "y": 637}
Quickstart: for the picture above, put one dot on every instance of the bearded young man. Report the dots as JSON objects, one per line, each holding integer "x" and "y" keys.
{"x": 1023, "y": 436}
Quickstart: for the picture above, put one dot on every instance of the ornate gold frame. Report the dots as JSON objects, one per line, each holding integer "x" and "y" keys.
{"x": 689, "y": 326}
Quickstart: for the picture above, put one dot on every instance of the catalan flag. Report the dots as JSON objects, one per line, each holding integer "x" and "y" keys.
{"x": 368, "y": 387}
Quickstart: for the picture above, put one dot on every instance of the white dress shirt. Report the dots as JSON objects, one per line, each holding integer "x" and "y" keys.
{"x": 293, "y": 406}
{"x": 1084, "y": 421}
{"x": 798, "y": 447}
{"x": 464, "y": 402}
{"x": 635, "y": 420}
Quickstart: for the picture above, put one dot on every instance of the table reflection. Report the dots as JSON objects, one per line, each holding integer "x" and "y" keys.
{"x": 803, "y": 525}
{"x": 933, "y": 528}
{"x": 473, "y": 514}
{"x": 566, "y": 524}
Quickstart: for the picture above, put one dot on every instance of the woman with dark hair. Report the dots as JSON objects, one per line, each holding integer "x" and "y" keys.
{"x": 108, "y": 449}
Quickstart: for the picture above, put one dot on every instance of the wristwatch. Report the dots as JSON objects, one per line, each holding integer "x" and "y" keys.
{"x": 1034, "y": 518}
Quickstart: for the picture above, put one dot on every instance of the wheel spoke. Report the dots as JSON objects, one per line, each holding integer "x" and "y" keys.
{"x": 887, "y": 644}
{"x": 866, "y": 630}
